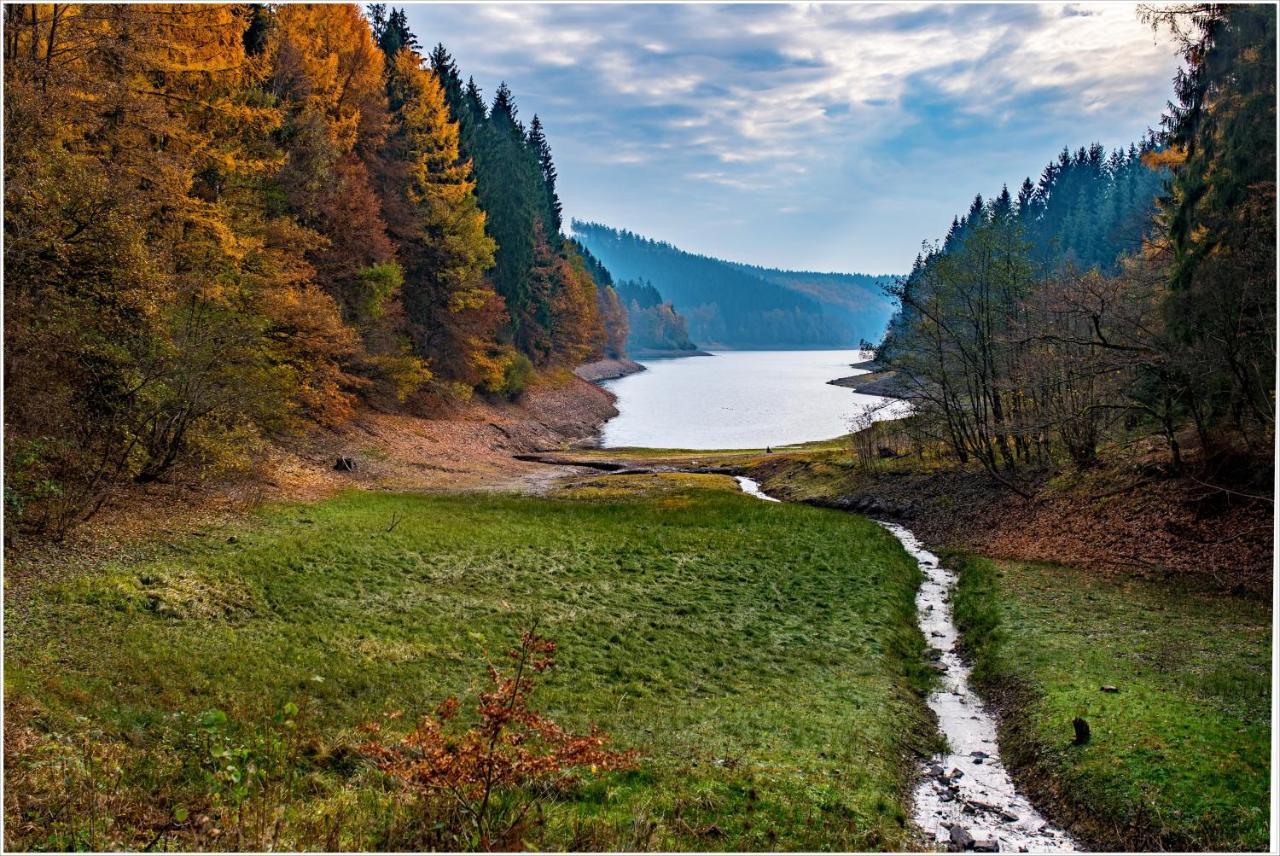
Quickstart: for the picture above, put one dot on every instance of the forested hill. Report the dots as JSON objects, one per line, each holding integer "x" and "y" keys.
{"x": 862, "y": 297}
{"x": 1122, "y": 293}
{"x": 731, "y": 305}
{"x": 225, "y": 222}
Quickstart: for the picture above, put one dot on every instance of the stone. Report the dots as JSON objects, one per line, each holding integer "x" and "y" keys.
{"x": 1107, "y": 688}
{"x": 345, "y": 464}
{"x": 986, "y": 845}
{"x": 960, "y": 838}
{"x": 231, "y": 539}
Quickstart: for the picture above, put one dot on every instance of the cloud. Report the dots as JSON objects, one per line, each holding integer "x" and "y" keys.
{"x": 809, "y": 102}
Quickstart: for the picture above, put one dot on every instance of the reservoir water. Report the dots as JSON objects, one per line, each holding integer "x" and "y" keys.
{"x": 739, "y": 400}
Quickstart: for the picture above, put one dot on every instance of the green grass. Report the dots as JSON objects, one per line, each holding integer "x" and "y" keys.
{"x": 762, "y": 658}
{"x": 1179, "y": 757}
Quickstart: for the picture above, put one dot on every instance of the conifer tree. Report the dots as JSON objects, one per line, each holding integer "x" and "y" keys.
{"x": 1220, "y": 208}
{"x": 451, "y": 311}
{"x": 542, "y": 150}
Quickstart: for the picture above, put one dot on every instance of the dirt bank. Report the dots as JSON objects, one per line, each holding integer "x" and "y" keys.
{"x": 465, "y": 447}
{"x": 884, "y": 384}
{"x": 1150, "y": 526}
{"x": 607, "y": 369}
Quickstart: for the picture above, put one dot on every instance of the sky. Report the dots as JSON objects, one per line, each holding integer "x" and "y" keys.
{"x": 807, "y": 136}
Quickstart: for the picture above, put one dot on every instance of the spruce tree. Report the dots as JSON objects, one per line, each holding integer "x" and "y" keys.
{"x": 542, "y": 150}
{"x": 439, "y": 227}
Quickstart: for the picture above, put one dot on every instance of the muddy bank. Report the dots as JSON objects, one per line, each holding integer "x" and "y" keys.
{"x": 607, "y": 369}
{"x": 667, "y": 354}
{"x": 881, "y": 383}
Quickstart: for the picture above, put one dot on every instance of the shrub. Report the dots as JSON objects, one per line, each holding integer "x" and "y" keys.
{"x": 480, "y": 787}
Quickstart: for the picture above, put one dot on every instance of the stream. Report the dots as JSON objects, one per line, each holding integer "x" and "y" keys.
{"x": 965, "y": 799}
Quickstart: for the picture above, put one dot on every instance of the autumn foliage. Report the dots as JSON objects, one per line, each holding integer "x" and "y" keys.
{"x": 228, "y": 222}
{"x": 489, "y": 778}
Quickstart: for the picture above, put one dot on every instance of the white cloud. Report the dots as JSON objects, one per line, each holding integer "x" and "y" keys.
{"x": 812, "y": 101}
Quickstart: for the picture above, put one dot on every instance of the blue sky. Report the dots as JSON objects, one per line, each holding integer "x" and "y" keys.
{"x": 810, "y": 136}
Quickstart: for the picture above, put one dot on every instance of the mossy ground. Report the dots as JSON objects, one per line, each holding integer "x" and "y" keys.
{"x": 1179, "y": 757}
{"x": 762, "y": 658}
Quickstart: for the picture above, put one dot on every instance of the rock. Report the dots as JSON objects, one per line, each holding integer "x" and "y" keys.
{"x": 979, "y": 754}
{"x": 1082, "y": 731}
{"x": 345, "y": 464}
{"x": 1107, "y": 688}
{"x": 986, "y": 845}
{"x": 231, "y": 539}
{"x": 960, "y": 839}
{"x": 956, "y": 773}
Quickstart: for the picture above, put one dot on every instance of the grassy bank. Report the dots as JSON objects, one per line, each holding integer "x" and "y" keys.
{"x": 763, "y": 660}
{"x": 1179, "y": 754}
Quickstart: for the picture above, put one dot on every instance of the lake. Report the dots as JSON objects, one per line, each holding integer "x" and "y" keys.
{"x": 738, "y": 400}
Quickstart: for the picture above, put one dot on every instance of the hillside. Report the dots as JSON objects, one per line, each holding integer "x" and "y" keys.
{"x": 736, "y": 306}
{"x": 860, "y": 297}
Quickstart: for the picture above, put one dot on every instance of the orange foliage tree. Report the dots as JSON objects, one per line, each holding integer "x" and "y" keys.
{"x": 491, "y": 776}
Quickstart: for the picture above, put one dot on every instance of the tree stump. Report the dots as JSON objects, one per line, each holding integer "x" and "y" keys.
{"x": 1082, "y": 731}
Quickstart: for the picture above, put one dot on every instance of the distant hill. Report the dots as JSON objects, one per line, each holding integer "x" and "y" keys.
{"x": 859, "y": 297}
{"x": 731, "y": 305}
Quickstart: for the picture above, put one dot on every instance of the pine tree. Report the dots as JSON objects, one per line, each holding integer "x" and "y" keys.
{"x": 508, "y": 186}
{"x": 437, "y": 222}
{"x": 461, "y": 106}
{"x": 392, "y": 33}
{"x": 1219, "y": 211}
{"x": 542, "y": 150}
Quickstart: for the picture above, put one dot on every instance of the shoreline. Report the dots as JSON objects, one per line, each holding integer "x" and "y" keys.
{"x": 665, "y": 354}
{"x": 884, "y": 384}
{"x": 609, "y": 369}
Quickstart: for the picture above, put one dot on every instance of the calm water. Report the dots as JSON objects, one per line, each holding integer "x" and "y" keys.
{"x": 737, "y": 400}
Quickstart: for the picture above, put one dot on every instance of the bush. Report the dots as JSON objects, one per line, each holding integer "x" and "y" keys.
{"x": 516, "y": 376}
{"x": 480, "y": 787}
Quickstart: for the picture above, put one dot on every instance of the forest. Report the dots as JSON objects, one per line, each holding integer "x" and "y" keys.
{"x": 1124, "y": 295}
{"x": 227, "y": 222}
{"x": 655, "y": 324}
{"x": 860, "y": 300}
{"x": 736, "y": 306}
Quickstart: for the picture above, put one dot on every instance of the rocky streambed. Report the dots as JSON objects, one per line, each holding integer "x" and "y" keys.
{"x": 965, "y": 799}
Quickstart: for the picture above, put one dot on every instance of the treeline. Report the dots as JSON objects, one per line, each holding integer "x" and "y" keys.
{"x": 724, "y": 306}
{"x": 224, "y": 221}
{"x": 859, "y": 301}
{"x": 1124, "y": 293}
{"x": 651, "y": 322}
{"x": 655, "y": 324}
